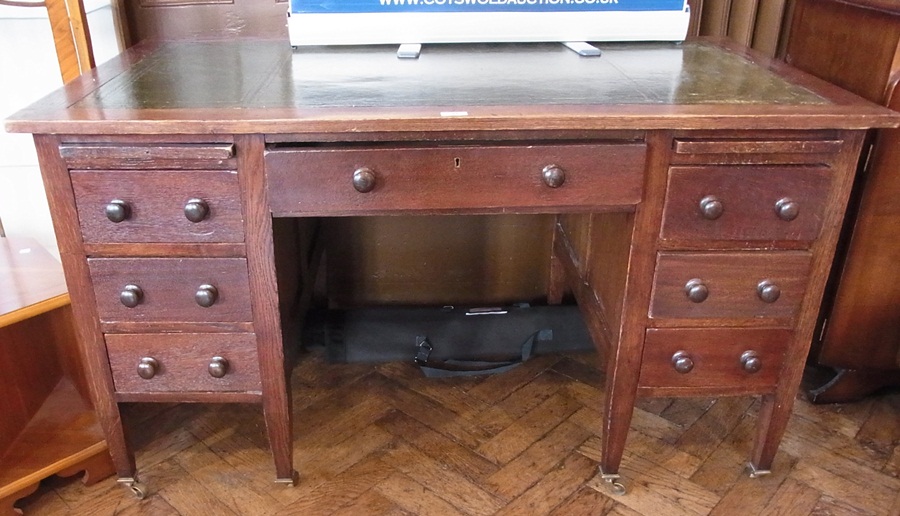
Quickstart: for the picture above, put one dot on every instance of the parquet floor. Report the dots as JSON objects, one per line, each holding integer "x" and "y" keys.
{"x": 384, "y": 440}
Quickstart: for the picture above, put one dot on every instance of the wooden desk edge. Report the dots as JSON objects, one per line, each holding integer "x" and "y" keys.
{"x": 35, "y": 309}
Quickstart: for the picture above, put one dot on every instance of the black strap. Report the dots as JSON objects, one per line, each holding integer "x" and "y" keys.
{"x": 454, "y": 367}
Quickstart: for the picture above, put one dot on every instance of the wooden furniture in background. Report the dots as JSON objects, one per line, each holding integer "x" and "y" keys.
{"x": 856, "y": 45}
{"x": 138, "y": 20}
{"x": 71, "y": 35}
{"x": 695, "y": 199}
{"x": 48, "y": 427}
{"x": 758, "y": 24}
{"x": 755, "y": 23}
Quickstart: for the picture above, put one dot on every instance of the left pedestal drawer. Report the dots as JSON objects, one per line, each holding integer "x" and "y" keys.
{"x": 184, "y": 362}
{"x": 171, "y": 289}
{"x": 189, "y": 206}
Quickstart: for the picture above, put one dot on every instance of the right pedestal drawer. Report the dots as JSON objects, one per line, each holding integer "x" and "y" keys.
{"x": 746, "y": 203}
{"x": 737, "y": 285}
{"x": 734, "y": 360}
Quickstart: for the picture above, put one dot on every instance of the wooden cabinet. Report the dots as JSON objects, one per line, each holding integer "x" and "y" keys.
{"x": 856, "y": 44}
{"x": 48, "y": 425}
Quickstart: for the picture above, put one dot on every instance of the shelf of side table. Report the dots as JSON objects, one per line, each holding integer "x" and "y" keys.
{"x": 49, "y": 427}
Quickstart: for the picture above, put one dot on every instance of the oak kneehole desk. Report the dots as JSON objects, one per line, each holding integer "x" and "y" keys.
{"x": 697, "y": 189}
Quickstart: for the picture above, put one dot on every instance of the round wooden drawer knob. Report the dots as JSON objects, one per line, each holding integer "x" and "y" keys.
{"x": 751, "y": 362}
{"x": 147, "y": 368}
{"x": 768, "y": 291}
{"x": 206, "y": 295}
{"x": 117, "y": 211}
{"x": 682, "y": 362}
{"x": 787, "y": 209}
{"x": 196, "y": 210}
{"x": 711, "y": 207}
{"x": 364, "y": 180}
{"x": 696, "y": 290}
{"x": 218, "y": 367}
{"x": 553, "y": 176}
{"x": 131, "y": 296}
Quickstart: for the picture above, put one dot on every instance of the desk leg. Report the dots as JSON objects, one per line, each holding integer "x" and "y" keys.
{"x": 278, "y": 425}
{"x": 623, "y": 363}
{"x": 87, "y": 326}
{"x": 622, "y": 359}
{"x": 621, "y": 394}
{"x": 264, "y": 302}
{"x": 772, "y": 424}
{"x": 774, "y": 413}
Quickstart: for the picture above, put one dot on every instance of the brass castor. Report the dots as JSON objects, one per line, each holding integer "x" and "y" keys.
{"x": 612, "y": 482}
{"x": 138, "y": 490}
{"x": 291, "y": 481}
{"x": 756, "y": 473}
{"x": 616, "y": 488}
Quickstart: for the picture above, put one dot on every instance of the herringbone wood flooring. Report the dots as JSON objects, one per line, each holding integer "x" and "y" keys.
{"x": 384, "y": 440}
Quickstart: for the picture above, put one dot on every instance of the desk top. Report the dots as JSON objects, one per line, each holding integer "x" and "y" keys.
{"x": 240, "y": 86}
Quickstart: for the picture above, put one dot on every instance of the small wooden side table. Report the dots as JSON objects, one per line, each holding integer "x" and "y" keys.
{"x": 48, "y": 425}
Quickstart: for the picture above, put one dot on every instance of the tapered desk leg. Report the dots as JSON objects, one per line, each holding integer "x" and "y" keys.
{"x": 90, "y": 336}
{"x": 622, "y": 368}
{"x": 264, "y": 301}
{"x": 772, "y": 423}
{"x": 278, "y": 425}
{"x": 619, "y": 405}
{"x": 623, "y": 363}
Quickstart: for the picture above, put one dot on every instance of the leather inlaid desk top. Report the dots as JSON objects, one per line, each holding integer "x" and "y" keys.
{"x": 265, "y": 86}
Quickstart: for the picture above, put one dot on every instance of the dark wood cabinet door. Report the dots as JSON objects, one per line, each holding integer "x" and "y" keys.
{"x": 203, "y": 19}
{"x": 854, "y": 44}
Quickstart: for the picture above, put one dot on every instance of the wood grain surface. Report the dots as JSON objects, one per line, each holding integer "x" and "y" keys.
{"x": 156, "y": 202}
{"x": 184, "y": 361}
{"x": 254, "y": 86}
{"x": 31, "y": 280}
{"x": 423, "y": 179}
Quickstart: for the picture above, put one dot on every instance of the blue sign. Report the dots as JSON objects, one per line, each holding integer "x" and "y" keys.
{"x": 480, "y": 6}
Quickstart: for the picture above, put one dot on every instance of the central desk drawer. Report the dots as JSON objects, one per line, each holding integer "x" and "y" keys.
{"x": 338, "y": 180}
{"x": 171, "y": 289}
